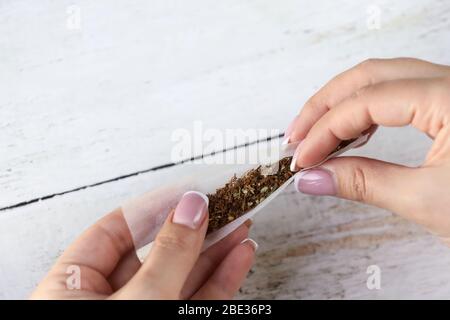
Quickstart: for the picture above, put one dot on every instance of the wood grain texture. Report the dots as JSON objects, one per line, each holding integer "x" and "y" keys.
{"x": 81, "y": 106}
{"x": 325, "y": 255}
{"x": 103, "y": 101}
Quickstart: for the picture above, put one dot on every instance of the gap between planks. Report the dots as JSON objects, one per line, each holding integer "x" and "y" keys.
{"x": 132, "y": 174}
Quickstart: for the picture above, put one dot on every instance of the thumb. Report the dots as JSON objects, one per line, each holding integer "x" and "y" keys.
{"x": 174, "y": 253}
{"x": 379, "y": 183}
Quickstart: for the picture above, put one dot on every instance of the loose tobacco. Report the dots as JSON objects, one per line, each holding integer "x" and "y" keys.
{"x": 240, "y": 195}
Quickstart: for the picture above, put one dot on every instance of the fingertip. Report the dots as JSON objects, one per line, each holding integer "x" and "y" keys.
{"x": 315, "y": 149}
{"x": 230, "y": 274}
{"x": 250, "y": 242}
{"x": 246, "y": 251}
{"x": 285, "y": 140}
{"x": 297, "y": 178}
{"x": 318, "y": 181}
{"x": 298, "y": 133}
{"x": 192, "y": 210}
{"x": 199, "y": 194}
{"x": 297, "y": 130}
{"x": 241, "y": 257}
{"x": 289, "y": 130}
{"x": 293, "y": 166}
{"x": 294, "y": 163}
{"x": 239, "y": 261}
{"x": 304, "y": 157}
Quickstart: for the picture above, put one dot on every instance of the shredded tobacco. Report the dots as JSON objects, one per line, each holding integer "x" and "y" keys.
{"x": 240, "y": 195}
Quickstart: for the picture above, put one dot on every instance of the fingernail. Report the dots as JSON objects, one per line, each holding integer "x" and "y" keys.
{"x": 248, "y": 223}
{"x": 288, "y": 131}
{"x": 315, "y": 182}
{"x": 293, "y": 166}
{"x": 191, "y": 209}
{"x": 285, "y": 140}
{"x": 252, "y": 243}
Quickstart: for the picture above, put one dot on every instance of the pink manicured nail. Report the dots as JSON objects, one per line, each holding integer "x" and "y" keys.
{"x": 293, "y": 166}
{"x": 285, "y": 140}
{"x": 252, "y": 243}
{"x": 288, "y": 131}
{"x": 191, "y": 209}
{"x": 316, "y": 182}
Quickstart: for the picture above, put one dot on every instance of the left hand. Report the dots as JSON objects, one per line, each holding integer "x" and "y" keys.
{"x": 109, "y": 268}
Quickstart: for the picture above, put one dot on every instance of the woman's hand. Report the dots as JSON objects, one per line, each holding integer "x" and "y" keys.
{"x": 105, "y": 260}
{"x": 393, "y": 92}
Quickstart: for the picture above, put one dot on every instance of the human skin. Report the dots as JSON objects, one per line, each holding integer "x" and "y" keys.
{"x": 380, "y": 92}
{"x": 174, "y": 269}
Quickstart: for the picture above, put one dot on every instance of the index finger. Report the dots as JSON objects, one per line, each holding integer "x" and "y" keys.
{"x": 101, "y": 246}
{"x": 392, "y": 103}
{"x": 366, "y": 73}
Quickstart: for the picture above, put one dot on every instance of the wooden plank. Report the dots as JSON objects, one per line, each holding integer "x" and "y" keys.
{"x": 309, "y": 248}
{"x": 81, "y": 106}
{"x": 321, "y": 249}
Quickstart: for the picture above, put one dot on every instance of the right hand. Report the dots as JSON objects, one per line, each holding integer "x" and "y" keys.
{"x": 392, "y": 92}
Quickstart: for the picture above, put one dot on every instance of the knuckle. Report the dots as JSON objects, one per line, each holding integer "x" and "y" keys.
{"x": 317, "y": 102}
{"x": 172, "y": 243}
{"x": 311, "y": 103}
{"x": 361, "y": 93}
{"x": 358, "y": 185}
{"x": 366, "y": 68}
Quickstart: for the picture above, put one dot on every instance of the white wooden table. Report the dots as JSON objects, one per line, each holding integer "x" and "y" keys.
{"x": 82, "y": 104}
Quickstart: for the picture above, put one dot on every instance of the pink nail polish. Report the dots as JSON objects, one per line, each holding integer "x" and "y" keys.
{"x": 293, "y": 166}
{"x": 191, "y": 209}
{"x": 315, "y": 182}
